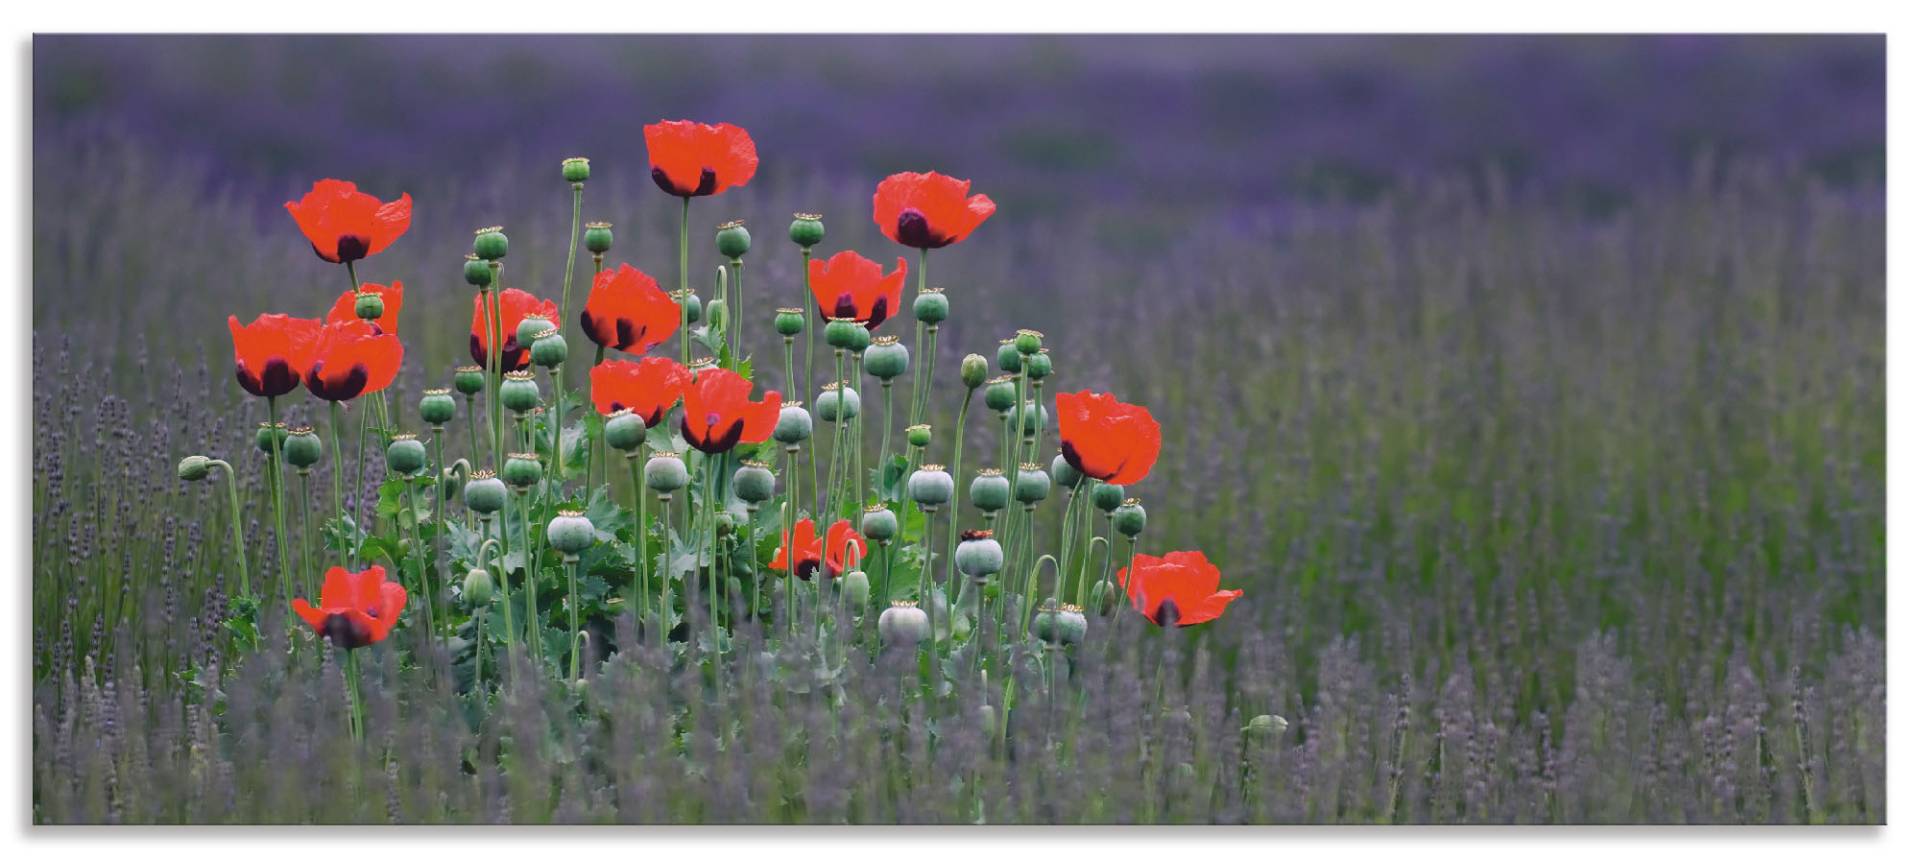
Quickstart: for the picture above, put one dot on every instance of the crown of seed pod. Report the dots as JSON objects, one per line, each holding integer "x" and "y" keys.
{"x": 575, "y": 170}
{"x": 689, "y": 302}
{"x": 989, "y": 490}
{"x": 1069, "y": 625}
{"x": 519, "y": 392}
{"x": 469, "y": 380}
{"x": 930, "y": 486}
{"x": 904, "y": 624}
{"x": 702, "y": 364}
{"x": 1002, "y": 393}
{"x": 753, "y": 483}
{"x": 1027, "y": 341}
{"x": 795, "y": 425}
{"x": 599, "y": 237}
{"x": 837, "y": 400}
{"x": 806, "y": 230}
{"x": 879, "y": 523}
{"x": 732, "y": 239}
{"x": 549, "y": 348}
{"x": 267, "y": 435}
{"x": 1130, "y": 519}
{"x": 920, "y": 434}
{"x": 522, "y": 470}
{"x": 302, "y": 448}
{"x": 979, "y": 556}
{"x": 485, "y": 493}
{"x": 406, "y": 455}
{"x": 368, "y": 304}
{"x": 665, "y": 473}
{"x": 531, "y": 325}
{"x": 477, "y": 272}
{"x": 973, "y": 370}
{"x": 789, "y": 321}
{"x": 885, "y": 359}
{"x": 1032, "y": 484}
{"x": 570, "y": 532}
{"x": 490, "y": 243}
{"x": 436, "y": 405}
{"x": 930, "y": 306}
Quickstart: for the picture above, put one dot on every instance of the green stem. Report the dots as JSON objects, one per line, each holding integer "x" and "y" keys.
{"x": 640, "y": 590}
{"x": 279, "y": 509}
{"x": 427, "y": 592}
{"x": 239, "y": 543}
{"x": 953, "y": 530}
{"x": 339, "y": 465}
{"x": 738, "y": 312}
{"x": 573, "y": 248}
{"x": 506, "y": 588}
{"x": 666, "y": 581}
{"x": 356, "y": 715}
{"x": 306, "y": 530}
{"x": 534, "y": 644}
{"x": 573, "y": 613}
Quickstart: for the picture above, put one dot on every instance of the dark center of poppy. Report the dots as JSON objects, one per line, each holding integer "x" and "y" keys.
{"x": 1168, "y": 613}
{"x": 913, "y": 230}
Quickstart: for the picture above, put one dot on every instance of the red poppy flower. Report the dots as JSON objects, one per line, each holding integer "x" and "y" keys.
{"x": 721, "y": 412}
{"x": 356, "y": 608}
{"x": 928, "y": 210}
{"x": 515, "y": 307}
{"x": 843, "y": 547}
{"x": 272, "y": 353}
{"x": 1107, "y": 439}
{"x": 627, "y": 310}
{"x": 353, "y": 358}
{"x": 344, "y": 224}
{"x": 851, "y": 286}
{"x": 389, "y": 320}
{"x": 649, "y": 386}
{"x": 692, "y": 159}
{"x": 1181, "y": 588}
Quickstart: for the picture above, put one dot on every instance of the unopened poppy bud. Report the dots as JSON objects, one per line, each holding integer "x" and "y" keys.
{"x": 194, "y": 468}
{"x": 930, "y": 486}
{"x": 570, "y": 532}
{"x": 302, "y": 447}
{"x": 1131, "y": 518}
{"x": 626, "y": 431}
{"x": 795, "y": 425}
{"x": 1027, "y": 341}
{"x": 1103, "y": 601}
{"x": 837, "y": 400}
{"x": 406, "y": 455}
{"x": 436, "y": 405}
{"x": 1266, "y": 727}
{"x": 689, "y": 305}
{"x": 753, "y": 483}
{"x": 930, "y": 306}
{"x": 879, "y": 523}
{"x": 717, "y": 315}
{"x": 979, "y": 556}
{"x": 522, "y": 470}
{"x": 1064, "y": 473}
{"x": 369, "y": 305}
{"x": 885, "y": 359}
{"x": 1108, "y": 497}
{"x": 519, "y": 392}
{"x": 973, "y": 370}
{"x": 919, "y": 434}
{"x": 477, "y": 272}
{"x": 1001, "y": 393}
{"x": 265, "y": 437}
{"x": 477, "y": 589}
{"x": 806, "y": 230}
{"x": 855, "y": 588}
{"x": 599, "y": 237}
{"x": 843, "y": 333}
{"x": 531, "y": 327}
{"x": 575, "y": 170}
{"x": 789, "y": 321}
{"x": 485, "y": 493}
{"x": 1035, "y": 420}
{"x": 1032, "y": 484}
{"x": 1039, "y": 365}
{"x": 732, "y": 239}
{"x": 665, "y": 473}
{"x": 904, "y": 624}
{"x": 549, "y": 348}
{"x": 469, "y": 380}
{"x": 989, "y": 490}
{"x": 490, "y": 243}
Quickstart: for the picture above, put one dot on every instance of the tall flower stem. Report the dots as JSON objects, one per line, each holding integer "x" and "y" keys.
{"x": 274, "y": 476}
{"x": 306, "y": 531}
{"x": 686, "y": 345}
{"x": 496, "y": 342}
{"x": 239, "y": 544}
{"x": 356, "y": 716}
{"x": 506, "y": 587}
{"x": 573, "y": 248}
{"x": 428, "y": 593}
{"x": 933, "y": 353}
{"x": 339, "y": 464}
{"x": 534, "y": 644}
{"x": 738, "y": 313}
{"x": 473, "y": 429}
{"x": 666, "y": 580}
{"x": 925, "y": 369}
{"x": 439, "y": 505}
{"x": 640, "y": 590}
{"x": 805, "y": 386}
{"x": 886, "y": 422}
{"x": 573, "y": 612}
{"x": 953, "y": 513}
{"x": 789, "y": 518}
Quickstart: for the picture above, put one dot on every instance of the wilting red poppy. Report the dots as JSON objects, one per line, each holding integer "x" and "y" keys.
{"x": 721, "y": 412}
{"x": 1107, "y": 439}
{"x": 389, "y": 320}
{"x": 843, "y": 547}
{"x": 272, "y": 353}
{"x": 693, "y": 159}
{"x": 928, "y": 210}
{"x": 515, "y": 307}
{"x": 627, "y": 310}
{"x": 356, "y": 608}
{"x": 851, "y": 286}
{"x": 649, "y": 386}
{"x": 353, "y": 358}
{"x": 344, "y": 224}
{"x": 1181, "y": 588}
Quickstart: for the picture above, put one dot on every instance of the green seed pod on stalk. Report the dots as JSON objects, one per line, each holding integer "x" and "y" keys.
{"x": 1064, "y": 473}
{"x": 1108, "y": 496}
{"x": 406, "y": 455}
{"x": 477, "y": 589}
{"x": 930, "y": 306}
{"x": 265, "y": 436}
{"x": 806, "y": 230}
{"x": 1103, "y": 601}
{"x": 522, "y": 470}
{"x": 626, "y": 431}
{"x": 599, "y": 237}
{"x": 436, "y": 405}
{"x": 519, "y": 392}
{"x": 490, "y": 243}
{"x": 989, "y": 490}
{"x": 732, "y": 239}
{"x": 886, "y": 359}
{"x": 904, "y": 624}
{"x": 549, "y": 348}
{"x": 485, "y": 493}
{"x": 689, "y": 303}
{"x": 1027, "y": 341}
{"x": 469, "y": 380}
{"x": 532, "y": 326}
{"x": 855, "y": 589}
{"x": 665, "y": 473}
{"x": 369, "y": 305}
{"x": 570, "y": 532}
{"x": 979, "y": 556}
{"x": 1032, "y": 484}
{"x": 1131, "y": 518}
{"x": 973, "y": 370}
{"x": 920, "y": 435}
{"x": 879, "y": 523}
{"x": 789, "y": 321}
{"x": 717, "y": 315}
{"x": 1002, "y": 393}
{"x": 753, "y": 483}
{"x": 575, "y": 170}
{"x": 1039, "y": 365}
{"x": 477, "y": 272}
{"x": 1070, "y": 625}
{"x": 1008, "y": 357}
{"x": 835, "y": 402}
{"x": 842, "y": 334}
{"x": 1035, "y": 420}
{"x": 194, "y": 468}
{"x": 795, "y": 426}
{"x": 302, "y": 448}
{"x": 930, "y": 486}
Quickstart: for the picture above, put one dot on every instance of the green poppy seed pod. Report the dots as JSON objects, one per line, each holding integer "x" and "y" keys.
{"x": 806, "y": 230}
{"x": 490, "y": 243}
{"x": 789, "y": 321}
{"x": 302, "y": 447}
{"x": 930, "y": 306}
{"x": 1032, "y": 484}
{"x": 549, "y": 348}
{"x": 1070, "y": 625}
{"x": 570, "y": 532}
{"x": 732, "y": 239}
{"x": 519, "y": 392}
{"x": 973, "y": 370}
{"x": 531, "y": 327}
{"x": 835, "y": 401}
{"x": 406, "y": 455}
{"x": 599, "y": 238}
{"x": 920, "y": 435}
{"x": 665, "y": 473}
{"x": 1130, "y": 519}
{"x": 862, "y": 338}
{"x": 1039, "y": 365}
{"x": 477, "y": 589}
{"x": 855, "y": 589}
{"x": 689, "y": 305}
{"x": 717, "y": 315}
{"x": 1027, "y": 341}
{"x": 626, "y": 431}
{"x": 795, "y": 425}
{"x": 904, "y": 624}
{"x": 369, "y": 305}
{"x": 930, "y": 486}
{"x": 522, "y": 470}
{"x": 1002, "y": 393}
{"x": 843, "y": 333}
{"x": 436, "y": 405}
{"x": 265, "y": 436}
{"x": 574, "y": 170}
{"x": 1064, "y": 473}
{"x": 1108, "y": 496}
{"x": 477, "y": 272}
{"x": 879, "y": 523}
{"x": 989, "y": 490}
{"x": 753, "y": 483}
{"x": 1103, "y": 601}
{"x": 979, "y": 556}
{"x": 1266, "y": 727}
{"x": 1036, "y": 418}
{"x": 469, "y": 380}
{"x": 194, "y": 468}
{"x": 1008, "y": 357}
{"x": 886, "y": 359}
{"x": 1046, "y": 623}
{"x": 485, "y": 493}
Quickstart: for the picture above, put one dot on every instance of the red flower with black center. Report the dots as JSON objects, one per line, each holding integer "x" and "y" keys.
{"x": 351, "y": 359}
{"x": 1181, "y": 588}
{"x": 842, "y": 548}
{"x": 851, "y": 286}
{"x": 1107, "y": 439}
{"x": 393, "y": 297}
{"x": 344, "y": 224}
{"x": 626, "y": 310}
{"x": 515, "y": 306}
{"x": 649, "y": 386}
{"x": 928, "y": 210}
{"x": 693, "y": 159}
{"x": 356, "y": 608}
{"x": 272, "y": 353}
{"x": 721, "y": 412}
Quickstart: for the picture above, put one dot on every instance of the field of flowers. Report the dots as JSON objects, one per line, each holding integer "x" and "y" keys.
{"x": 1392, "y": 430}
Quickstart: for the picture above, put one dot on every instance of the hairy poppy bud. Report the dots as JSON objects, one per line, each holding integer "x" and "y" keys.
{"x": 436, "y": 405}
{"x": 485, "y": 493}
{"x": 1130, "y": 518}
{"x": 1027, "y": 341}
{"x": 930, "y": 486}
{"x": 477, "y": 589}
{"x": 1266, "y": 727}
{"x": 753, "y": 483}
{"x": 789, "y": 321}
{"x": 477, "y": 272}
{"x": 842, "y": 333}
{"x": 522, "y": 470}
{"x": 302, "y": 447}
{"x": 469, "y": 380}
{"x": 531, "y": 326}
{"x": 1108, "y": 496}
{"x": 549, "y": 348}
{"x": 369, "y": 305}
{"x": 732, "y": 239}
{"x": 885, "y": 359}
{"x": 626, "y": 431}
{"x": 806, "y": 230}
{"x": 665, "y": 473}
{"x": 194, "y": 468}
{"x": 930, "y": 306}
{"x": 1008, "y": 357}
{"x": 855, "y": 589}
{"x": 717, "y": 315}
{"x": 904, "y": 624}
{"x": 979, "y": 556}
{"x": 1032, "y": 484}
{"x": 519, "y": 392}
{"x": 973, "y": 370}
{"x": 1001, "y": 393}
{"x": 795, "y": 425}
{"x": 989, "y": 490}
{"x": 599, "y": 237}
{"x": 879, "y": 523}
{"x": 575, "y": 170}
{"x": 570, "y": 532}
{"x": 689, "y": 305}
{"x": 919, "y": 434}
{"x": 266, "y": 435}
{"x": 1039, "y": 365}
{"x": 406, "y": 455}
{"x": 490, "y": 243}
{"x": 1064, "y": 473}
{"x": 835, "y": 401}
{"x": 1103, "y": 597}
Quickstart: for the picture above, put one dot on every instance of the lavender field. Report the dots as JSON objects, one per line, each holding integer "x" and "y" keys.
{"x": 1532, "y": 389}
